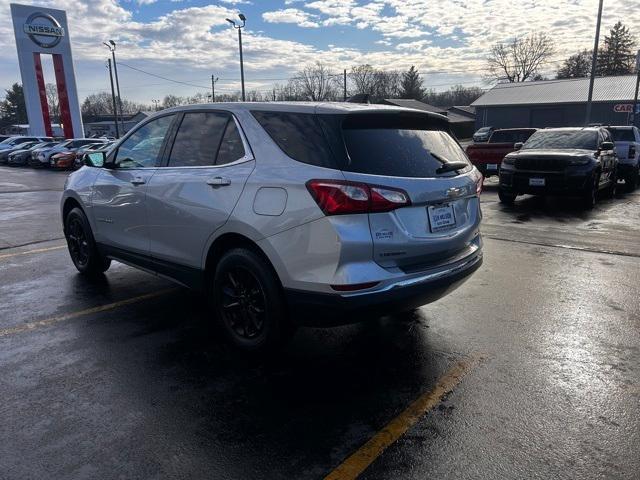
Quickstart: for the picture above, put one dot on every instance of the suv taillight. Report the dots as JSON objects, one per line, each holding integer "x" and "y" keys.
{"x": 339, "y": 197}
{"x": 632, "y": 151}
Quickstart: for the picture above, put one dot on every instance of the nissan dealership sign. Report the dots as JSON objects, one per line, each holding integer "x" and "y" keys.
{"x": 44, "y": 30}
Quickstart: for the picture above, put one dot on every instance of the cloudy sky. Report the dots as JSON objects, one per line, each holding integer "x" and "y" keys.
{"x": 188, "y": 40}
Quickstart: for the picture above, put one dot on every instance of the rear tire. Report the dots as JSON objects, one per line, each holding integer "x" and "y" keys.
{"x": 82, "y": 247}
{"x": 631, "y": 181}
{"x": 506, "y": 198}
{"x": 248, "y": 302}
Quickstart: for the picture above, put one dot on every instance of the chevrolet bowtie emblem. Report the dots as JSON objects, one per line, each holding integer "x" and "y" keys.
{"x": 455, "y": 192}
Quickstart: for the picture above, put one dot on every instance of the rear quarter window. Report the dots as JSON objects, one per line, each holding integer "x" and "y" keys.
{"x": 299, "y": 135}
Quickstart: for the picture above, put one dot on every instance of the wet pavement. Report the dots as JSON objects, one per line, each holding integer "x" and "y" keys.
{"x": 124, "y": 377}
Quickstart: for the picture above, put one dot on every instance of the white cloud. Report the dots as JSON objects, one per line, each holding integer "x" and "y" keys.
{"x": 145, "y": 2}
{"x": 290, "y": 15}
{"x": 237, "y": 2}
{"x": 193, "y": 42}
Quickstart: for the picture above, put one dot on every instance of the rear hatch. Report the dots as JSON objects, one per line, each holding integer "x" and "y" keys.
{"x": 407, "y": 152}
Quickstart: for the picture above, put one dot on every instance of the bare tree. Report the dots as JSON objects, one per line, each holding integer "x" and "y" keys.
{"x": 520, "y": 59}
{"x": 362, "y": 78}
{"x": 316, "y": 83}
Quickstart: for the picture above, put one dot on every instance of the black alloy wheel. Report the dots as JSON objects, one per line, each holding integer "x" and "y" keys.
{"x": 243, "y": 305}
{"x": 590, "y": 196}
{"x": 248, "y": 302}
{"x": 82, "y": 246}
{"x": 78, "y": 242}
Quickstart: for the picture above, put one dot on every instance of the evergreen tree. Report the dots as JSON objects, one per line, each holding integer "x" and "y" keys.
{"x": 616, "y": 57}
{"x": 576, "y": 66}
{"x": 411, "y": 85}
{"x": 13, "y": 109}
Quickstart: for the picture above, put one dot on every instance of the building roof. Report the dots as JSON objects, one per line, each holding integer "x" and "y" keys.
{"x": 416, "y": 104}
{"x": 464, "y": 110}
{"x": 574, "y": 90}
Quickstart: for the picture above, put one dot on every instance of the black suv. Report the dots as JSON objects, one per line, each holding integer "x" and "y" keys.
{"x": 561, "y": 161}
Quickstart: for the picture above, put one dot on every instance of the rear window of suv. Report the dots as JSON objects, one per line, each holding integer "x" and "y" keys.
{"x": 388, "y": 144}
{"x": 622, "y": 134}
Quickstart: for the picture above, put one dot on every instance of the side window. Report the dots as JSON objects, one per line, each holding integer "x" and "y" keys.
{"x": 198, "y": 139}
{"x": 231, "y": 148}
{"x": 299, "y": 135}
{"x": 142, "y": 148}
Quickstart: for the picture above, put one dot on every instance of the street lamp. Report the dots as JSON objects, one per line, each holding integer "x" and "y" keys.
{"x": 594, "y": 61}
{"x": 112, "y": 47}
{"x": 243, "y": 19}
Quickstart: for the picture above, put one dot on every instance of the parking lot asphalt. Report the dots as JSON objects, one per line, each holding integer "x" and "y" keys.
{"x": 124, "y": 377}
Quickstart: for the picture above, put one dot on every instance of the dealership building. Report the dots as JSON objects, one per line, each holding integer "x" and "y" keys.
{"x": 557, "y": 103}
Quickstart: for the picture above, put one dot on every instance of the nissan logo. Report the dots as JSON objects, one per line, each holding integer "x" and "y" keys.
{"x": 45, "y": 34}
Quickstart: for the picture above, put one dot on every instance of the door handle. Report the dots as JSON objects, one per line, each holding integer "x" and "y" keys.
{"x": 218, "y": 182}
{"x": 138, "y": 181}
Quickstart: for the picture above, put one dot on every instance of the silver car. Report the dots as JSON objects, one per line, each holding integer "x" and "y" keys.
{"x": 284, "y": 214}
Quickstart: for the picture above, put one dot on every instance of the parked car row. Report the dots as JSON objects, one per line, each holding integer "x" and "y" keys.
{"x": 46, "y": 152}
{"x": 576, "y": 161}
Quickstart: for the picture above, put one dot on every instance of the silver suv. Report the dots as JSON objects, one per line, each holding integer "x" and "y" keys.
{"x": 283, "y": 213}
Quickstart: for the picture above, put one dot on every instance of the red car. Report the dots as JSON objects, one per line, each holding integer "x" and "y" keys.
{"x": 63, "y": 161}
{"x": 488, "y": 156}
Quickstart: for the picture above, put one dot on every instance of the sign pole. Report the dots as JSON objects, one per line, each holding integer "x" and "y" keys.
{"x": 593, "y": 65}
{"x": 636, "y": 113}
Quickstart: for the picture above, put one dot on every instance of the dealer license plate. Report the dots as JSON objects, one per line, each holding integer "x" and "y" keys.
{"x": 441, "y": 217}
{"x": 536, "y": 182}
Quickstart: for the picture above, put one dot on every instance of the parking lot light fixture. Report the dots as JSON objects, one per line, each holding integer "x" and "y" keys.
{"x": 243, "y": 19}
{"x": 112, "y": 47}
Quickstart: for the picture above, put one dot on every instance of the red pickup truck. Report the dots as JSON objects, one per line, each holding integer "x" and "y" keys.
{"x": 488, "y": 156}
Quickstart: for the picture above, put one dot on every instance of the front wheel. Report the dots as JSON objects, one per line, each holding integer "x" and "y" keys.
{"x": 248, "y": 302}
{"x": 610, "y": 192}
{"x": 506, "y": 198}
{"x": 589, "y": 197}
{"x": 82, "y": 247}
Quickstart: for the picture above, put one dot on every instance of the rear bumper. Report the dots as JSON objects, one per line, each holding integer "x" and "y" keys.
{"x": 324, "y": 310}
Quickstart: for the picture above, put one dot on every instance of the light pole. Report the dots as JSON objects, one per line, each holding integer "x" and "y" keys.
{"x": 214, "y": 80}
{"x": 593, "y": 65}
{"x": 635, "y": 114}
{"x": 243, "y": 19}
{"x": 113, "y": 97}
{"x": 155, "y": 104}
{"x": 112, "y": 47}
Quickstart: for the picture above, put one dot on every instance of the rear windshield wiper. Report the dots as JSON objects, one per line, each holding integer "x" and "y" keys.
{"x": 448, "y": 166}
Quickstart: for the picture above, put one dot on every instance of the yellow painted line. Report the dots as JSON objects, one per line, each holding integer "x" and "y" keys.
{"x": 367, "y": 453}
{"x": 26, "y": 327}
{"x": 28, "y": 252}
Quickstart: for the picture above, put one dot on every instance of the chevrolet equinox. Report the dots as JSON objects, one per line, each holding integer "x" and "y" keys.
{"x": 283, "y": 214}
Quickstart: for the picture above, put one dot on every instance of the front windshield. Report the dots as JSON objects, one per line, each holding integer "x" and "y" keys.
{"x": 562, "y": 139}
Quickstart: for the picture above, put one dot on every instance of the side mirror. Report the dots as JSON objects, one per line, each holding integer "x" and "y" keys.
{"x": 517, "y": 146}
{"x": 606, "y": 146}
{"x": 95, "y": 159}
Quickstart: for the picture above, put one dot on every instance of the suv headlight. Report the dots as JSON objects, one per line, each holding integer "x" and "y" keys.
{"x": 509, "y": 160}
